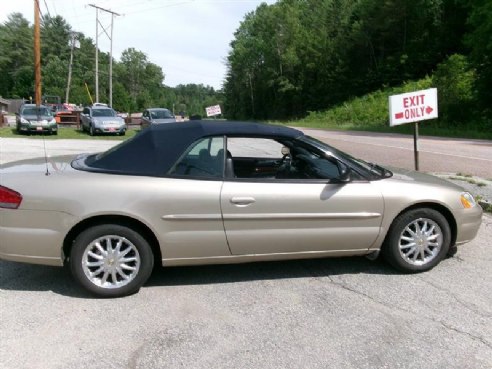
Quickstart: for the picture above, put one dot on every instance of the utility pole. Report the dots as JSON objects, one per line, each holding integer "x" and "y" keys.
{"x": 37, "y": 55}
{"x": 97, "y": 55}
{"x": 110, "y": 52}
{"x": 67, "y": 94}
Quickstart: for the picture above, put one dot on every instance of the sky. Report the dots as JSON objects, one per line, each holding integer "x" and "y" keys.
{"x": 188, "y": 39}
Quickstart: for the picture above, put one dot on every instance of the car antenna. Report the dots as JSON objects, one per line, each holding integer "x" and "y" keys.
{"x": 44, "y": 145}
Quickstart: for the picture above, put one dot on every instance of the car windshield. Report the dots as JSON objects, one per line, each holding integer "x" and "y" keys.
{"x": 370, "y": 170}
{"x": 161, "y": 114}
{"x": 103, "y": 113}
{"x": 36, "y": 111}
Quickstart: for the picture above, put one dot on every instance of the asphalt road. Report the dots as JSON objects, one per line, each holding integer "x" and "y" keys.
{"x": 332, "y": 313}
{"x": 436, "y": 154}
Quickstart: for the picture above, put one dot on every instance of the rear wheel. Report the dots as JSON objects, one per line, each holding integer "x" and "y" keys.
{"x": 91, "y": 130}
{"x": 417, "y": 240}
{"x": 111, "y": 260}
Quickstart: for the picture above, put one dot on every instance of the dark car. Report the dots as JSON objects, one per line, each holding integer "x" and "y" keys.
{"x": 157, "y": 116}
{"x": 32, "y": 118}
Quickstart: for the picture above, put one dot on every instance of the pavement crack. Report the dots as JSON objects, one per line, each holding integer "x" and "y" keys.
{"x": 470, "y": 307}
{"x": 471, "y": 336}
{"x": 406, "y": 311}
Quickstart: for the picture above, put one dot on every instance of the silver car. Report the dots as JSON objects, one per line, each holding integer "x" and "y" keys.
{"x": 222, "y": 192}
{"x": 98, "y": 119}
{"x": 156, "y": 116}
{"x": 35, "y": 119}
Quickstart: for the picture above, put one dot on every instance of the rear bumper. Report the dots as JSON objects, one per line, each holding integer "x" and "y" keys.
{"x": 34, "y": 237}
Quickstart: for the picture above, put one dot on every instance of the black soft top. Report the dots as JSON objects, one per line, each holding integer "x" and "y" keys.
{"x": 155, "y": 150}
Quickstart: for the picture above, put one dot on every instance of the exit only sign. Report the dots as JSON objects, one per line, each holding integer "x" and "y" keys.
{"x": 413, "y": 106}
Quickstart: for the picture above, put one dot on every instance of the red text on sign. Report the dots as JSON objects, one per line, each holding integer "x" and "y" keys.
{"x": 413, "y": 101}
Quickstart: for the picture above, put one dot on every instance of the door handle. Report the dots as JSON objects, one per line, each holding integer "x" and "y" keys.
{"x": 243, "y": 201}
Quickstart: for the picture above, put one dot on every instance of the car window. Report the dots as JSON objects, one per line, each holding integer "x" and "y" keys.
{"x": 204, "y": 158}
{"x": 161, "y": 114}
{"x": 269, "y": 159}
{"x": 103, "y": 113}
{"x": 36, "y": 111}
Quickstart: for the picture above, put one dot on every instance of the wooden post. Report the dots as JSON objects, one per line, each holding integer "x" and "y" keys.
{"x": 416, "y": 145}
{"x": 37, "y": 54}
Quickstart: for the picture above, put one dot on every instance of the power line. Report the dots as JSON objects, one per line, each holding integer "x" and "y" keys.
{"x": 47, "y": 10}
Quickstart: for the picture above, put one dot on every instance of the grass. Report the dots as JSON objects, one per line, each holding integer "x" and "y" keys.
{"x": 468, "y": 180}
{"x": 65, "y": 133}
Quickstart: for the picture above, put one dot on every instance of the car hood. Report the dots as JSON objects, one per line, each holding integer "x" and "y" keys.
{"x": 164, "y": 120}
{"x": 407, "y": 175}
{"x": 108, "y": 119}
{"x": 35, "y": 117}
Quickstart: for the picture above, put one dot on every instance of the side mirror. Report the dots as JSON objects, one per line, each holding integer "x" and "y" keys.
{"x": 345, "y": 173}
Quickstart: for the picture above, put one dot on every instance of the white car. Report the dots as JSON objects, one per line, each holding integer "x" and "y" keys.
{"x": 99, "y": 119}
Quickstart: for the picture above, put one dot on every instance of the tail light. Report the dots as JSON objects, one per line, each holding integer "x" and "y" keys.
{"x": 9, "y": 199}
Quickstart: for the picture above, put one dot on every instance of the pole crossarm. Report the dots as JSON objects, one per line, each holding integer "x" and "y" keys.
{"x": 106, "y": 10}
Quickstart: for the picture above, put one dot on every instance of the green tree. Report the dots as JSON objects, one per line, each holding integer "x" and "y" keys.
{"x": 479, "y": 40}
{"x": 16, "y": 57}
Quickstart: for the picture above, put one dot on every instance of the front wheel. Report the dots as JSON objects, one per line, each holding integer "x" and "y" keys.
{"x": 111, "y": 260}
{"x": 417, "y": 240}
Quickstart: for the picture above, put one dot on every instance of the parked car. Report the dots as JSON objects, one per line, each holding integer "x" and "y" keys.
{"x": 99, "y": 118}
{"x": 156, "y": 116}
{"x": 222, "y": 192}
{"x": 35, "y": 119}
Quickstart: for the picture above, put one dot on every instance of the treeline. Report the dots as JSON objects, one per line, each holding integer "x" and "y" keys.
{"x": 297, "y": 56}
{"x": 137, "y": 82}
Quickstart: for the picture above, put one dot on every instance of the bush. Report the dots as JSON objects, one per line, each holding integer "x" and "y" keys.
{"x": 454, "y": 79}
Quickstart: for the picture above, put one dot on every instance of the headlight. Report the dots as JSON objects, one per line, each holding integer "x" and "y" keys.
{"x": 53, "y": 121}
{"x": 24, "y": 121}
{"x": 467, "y": 200}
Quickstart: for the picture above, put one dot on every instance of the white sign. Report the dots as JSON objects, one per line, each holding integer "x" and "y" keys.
{"x": 213, "y": 110}
{"x": 413, "y": 106}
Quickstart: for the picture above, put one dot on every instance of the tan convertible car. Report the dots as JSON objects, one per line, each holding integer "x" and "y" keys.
{"x": 222, "y": 192}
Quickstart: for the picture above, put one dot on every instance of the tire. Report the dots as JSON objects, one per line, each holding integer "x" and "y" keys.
{"x": 91, "y": 130}
{"x": 417, "y": 240}
{"x": 119, "y": 273}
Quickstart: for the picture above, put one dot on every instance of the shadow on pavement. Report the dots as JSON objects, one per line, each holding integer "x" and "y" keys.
{"x": 27, "y": 277}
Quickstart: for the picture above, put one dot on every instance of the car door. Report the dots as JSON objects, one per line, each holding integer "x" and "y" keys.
{"x": 271, "y": 215}
{"x": 190, "y": 225}
{"x": 85, "y": 118}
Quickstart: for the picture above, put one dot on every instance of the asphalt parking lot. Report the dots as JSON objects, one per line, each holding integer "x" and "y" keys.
{"x": 330, "y": 313}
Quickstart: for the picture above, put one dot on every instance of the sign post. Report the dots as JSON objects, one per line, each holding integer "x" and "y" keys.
{"x": 413, "y": 107}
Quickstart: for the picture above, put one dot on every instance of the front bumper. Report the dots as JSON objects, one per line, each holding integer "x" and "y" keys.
{"x": 32, "y": 128}
{"x": 468, "y": 223}
{"x": 110, "y": 130}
